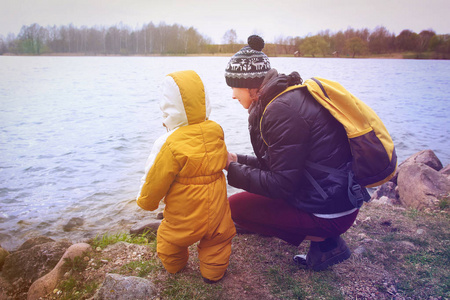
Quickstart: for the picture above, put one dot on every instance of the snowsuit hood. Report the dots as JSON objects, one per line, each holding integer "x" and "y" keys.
{"x": 184, "y": 101}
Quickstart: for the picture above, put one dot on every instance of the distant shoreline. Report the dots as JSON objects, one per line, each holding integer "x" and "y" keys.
{"x": 375, "y": 56}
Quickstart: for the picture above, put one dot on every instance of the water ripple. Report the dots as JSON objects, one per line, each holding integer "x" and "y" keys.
{"x": 76, "y": 132}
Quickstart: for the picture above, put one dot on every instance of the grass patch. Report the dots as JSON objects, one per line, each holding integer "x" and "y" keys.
{"x": 283, "y": 285}
{"x": 444, "y": 202}
{"x": 188, "y": 287}
{"x": 72, "y": 288}
{"x": 142, "y": 268}
{"x": 112, "y": 238}
{"x": 78, "y": 264}
{"x": 413, "y": 214}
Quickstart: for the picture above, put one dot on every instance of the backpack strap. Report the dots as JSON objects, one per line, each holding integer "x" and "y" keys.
{"x": 316, "y": 185}
{"x": 356, "y": 193}
{"x": 321, "y": 87}
{"x": 322, "y": 168}
{"x": 293, "y": 87}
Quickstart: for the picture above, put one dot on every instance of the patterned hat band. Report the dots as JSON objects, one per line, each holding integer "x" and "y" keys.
{"x": 248, "y": 64}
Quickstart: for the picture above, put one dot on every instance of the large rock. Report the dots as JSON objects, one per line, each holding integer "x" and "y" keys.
{"x": 122, "y": 287}
{"x": 426, "y": 157}
{"x": 35, "y": 241}
{"x": 421, "y": 186}
{"x": 446, "y": 171}
{"x": 3, "y": 255}
{"x": 23, "y": 267}
{"x": 5, "y": 287}
{"x": 48, "y": 282}
{"x": 420, "y": 182}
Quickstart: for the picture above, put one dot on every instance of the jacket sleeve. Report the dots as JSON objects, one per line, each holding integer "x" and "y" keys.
{"x": 287, "y": 135}
{"x": 158, "y": 180}
{"x": 248, "y": 160}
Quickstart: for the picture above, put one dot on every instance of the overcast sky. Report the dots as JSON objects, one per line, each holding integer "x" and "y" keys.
{"x": 212, "y": 18}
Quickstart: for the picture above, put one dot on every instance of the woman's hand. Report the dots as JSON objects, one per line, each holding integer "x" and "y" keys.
{"x": 232, "y": 157}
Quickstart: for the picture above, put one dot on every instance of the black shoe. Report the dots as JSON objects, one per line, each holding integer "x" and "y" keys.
{"x": 318, "y": 259}
{"x": 209, "y": 281}
{"x": 206, "y": 280}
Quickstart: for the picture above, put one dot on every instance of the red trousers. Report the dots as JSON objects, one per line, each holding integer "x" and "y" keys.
{"x": 275, "y": 217}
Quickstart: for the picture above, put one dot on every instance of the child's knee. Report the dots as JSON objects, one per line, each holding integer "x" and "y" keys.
{"x": 173, "y": 257}
{"x": 174, "y": 262}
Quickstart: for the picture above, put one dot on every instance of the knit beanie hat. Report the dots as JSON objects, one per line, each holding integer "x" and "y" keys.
{"x": 247, "y": 68}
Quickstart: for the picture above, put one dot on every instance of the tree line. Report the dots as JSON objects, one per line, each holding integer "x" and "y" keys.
{"x": 115, "y": 40}
{"x": 163, "y": 39}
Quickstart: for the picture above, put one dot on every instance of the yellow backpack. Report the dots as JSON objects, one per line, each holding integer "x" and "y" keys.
{"x": 374, "y": 158}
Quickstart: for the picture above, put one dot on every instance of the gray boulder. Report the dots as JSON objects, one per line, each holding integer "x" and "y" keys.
{"x": 426, "y": 157}
{"x": 47, "y": 283}
{"x": 23, "y": 267}
{"x": 3, "y": 255}
{"x": 446, "y": 171}
{"x": 420, "y": 182}
{"x": 122, "y": 287}
{"x": 35, "y": 241}
{"x": 421, "y": 186}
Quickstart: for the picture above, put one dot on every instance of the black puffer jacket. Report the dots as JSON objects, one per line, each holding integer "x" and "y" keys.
{"x": 297, "y": 129}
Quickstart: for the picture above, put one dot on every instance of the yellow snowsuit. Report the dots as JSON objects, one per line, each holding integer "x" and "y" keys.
{"x": 185, "y": 169}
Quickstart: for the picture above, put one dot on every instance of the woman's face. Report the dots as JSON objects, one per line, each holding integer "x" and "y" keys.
{"x": 243, "y": 96}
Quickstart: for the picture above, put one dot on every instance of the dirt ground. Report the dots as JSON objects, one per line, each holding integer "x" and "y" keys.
{"x": 397, "y": 253}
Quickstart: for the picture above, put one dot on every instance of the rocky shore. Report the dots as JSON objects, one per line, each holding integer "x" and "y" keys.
{"x": 36, "y": 268}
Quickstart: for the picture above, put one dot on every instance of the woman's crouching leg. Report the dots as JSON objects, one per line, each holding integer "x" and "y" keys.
{"x": 214, "y": 256}
{"x": 173, "y": 257}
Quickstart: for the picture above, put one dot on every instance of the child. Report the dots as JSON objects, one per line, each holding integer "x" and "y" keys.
{"x": 185, "y": 169}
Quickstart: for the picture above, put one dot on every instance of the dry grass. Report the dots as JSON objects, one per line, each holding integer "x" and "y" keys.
{"x": 397, "y": 254}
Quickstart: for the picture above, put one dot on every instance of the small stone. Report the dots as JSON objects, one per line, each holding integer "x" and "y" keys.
{"x": 362, "y": 236}
{"x": 360, "y": 250}
{"x": 74, "y": 222}
{"x": 98, "y": 249}
{"x": 420, "y": 231}
{"x": 86, "y": 258}
{"x": 407, "y": 245}
{"x": 384, "y": 199}
{"x": 144, "y": 226}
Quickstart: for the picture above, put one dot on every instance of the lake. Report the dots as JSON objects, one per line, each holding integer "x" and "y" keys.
{"x": 75, "y": 132}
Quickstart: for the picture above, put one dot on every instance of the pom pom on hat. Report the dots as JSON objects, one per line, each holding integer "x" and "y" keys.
{"x": 256, "y": 42}
{"x": 248, "y": 67}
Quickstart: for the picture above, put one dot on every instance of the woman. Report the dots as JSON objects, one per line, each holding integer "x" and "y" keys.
{"x": 286, "y": 134}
